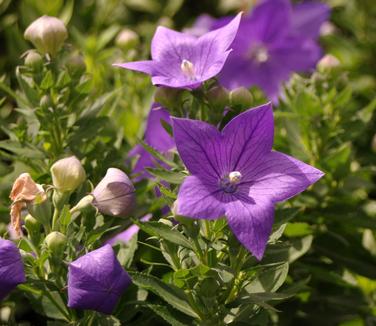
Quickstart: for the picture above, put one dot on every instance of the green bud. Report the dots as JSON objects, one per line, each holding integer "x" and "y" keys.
{"x": 327, "y": 63}
{"x": 127, "y": 39}
{"x": 41, "y": 211}
{"x": 76, "y": 64}
{"x": 31, "y": 223}
{"x": 83, "y": 203}
{"x": 33, "y": 60}
{"x": 218, "y": 97}
{"x": 47, "y": 34}
{"x": 56, "y": 243}
{"x": 241, "y": 97}
{"x": 67, "y": 174}
{"x": 167, "y": 97}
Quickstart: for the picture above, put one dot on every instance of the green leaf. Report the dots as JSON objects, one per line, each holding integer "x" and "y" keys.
{"x": 298, "y": 229}
{"x": 156, "y": 154}
{"x": 126, "y": 251}
{"x": 169, "y": 176}
{"x": 268, "y": 279}
{"x": 47, "y": 81}
{"x": 171, "y": 294}
{"x": 165, "y": 232}
{"x": 167, "y": 314}
{"x": 299, "y": 247}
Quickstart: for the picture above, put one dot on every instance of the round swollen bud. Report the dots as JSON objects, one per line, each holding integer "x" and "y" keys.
{"x": 218, "y": 97}
{"x": 33, "y": 60}
{"x": 241, "y": 97}
{"x": 167, "y": 97}
{"x": 76, "y": 64}
{"x": 56, "y": 242}
{"x": 47, "y": 34}
{"x": 115, "y": 194}
{"x": 67, "y": 174}
{"x": 31, "y": 223}
{"x": 327, "y": 63}
{"x": 127, "y": 39}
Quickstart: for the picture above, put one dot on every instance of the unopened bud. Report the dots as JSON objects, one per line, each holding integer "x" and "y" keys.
{"x": 41, "y": 211}
{"x": 76, "y": 64}
{"x": 67, "y": 174}
{"x": 241, "y": 97}
{"x": 56, "y": 242}
{"x": 83, "y": 203}
{"x": 33, "y": 60}
{"x": 127, "y": 39}
{"x": 218, "y": 97}
{"x": 47, "y": 34}
{"x": 167, "y": 97}
{"x": 328, "y": 62}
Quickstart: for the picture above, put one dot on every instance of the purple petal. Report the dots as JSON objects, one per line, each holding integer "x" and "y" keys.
{"x": 279, "y": 177}
{"x": 147, "y": 67}
{"x": 155, "y": 136}
{"x": 11, "y": 267}
{"x": 248, "y": 137}
{"x": 251, "y": 223}
{"x": 202, "y": 25}
{"x": 308, "y": 17}
{"x": 200, "y": 200}
{"x": 96, "y": 281}
{"x": 199, "y": 146}
{"x": 168, "y": 43}
{"x": 114, "y": 194}
{"x": 271, "y": 21}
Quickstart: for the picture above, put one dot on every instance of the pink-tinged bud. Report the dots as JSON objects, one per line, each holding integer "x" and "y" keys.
{"x": 127, "y": 39}
{"x": 24, "y": 191}
{"x": 328, "y": 62}
{"x": 67, "y": 174}
{"x": 115, "y": 194}
{"x": 47, "y": 34}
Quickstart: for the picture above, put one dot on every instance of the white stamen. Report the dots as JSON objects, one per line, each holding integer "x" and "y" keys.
{"x": 234, "y": 176}
{"x": 188, "y": 68}
{"x": 259, "y": 53}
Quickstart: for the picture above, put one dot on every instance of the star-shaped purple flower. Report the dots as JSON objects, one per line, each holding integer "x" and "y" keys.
{"x": 182, "y": 60}
{"x": 273, "y": 41}
{"x": 96, "y": 281}
{"x": 155, "y": 136}
{"x": 235, "y": 173}
{"x": 11, "y": 267}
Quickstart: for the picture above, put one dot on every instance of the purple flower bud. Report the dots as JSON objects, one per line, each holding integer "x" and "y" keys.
{"x": 11, "y": 267}
{"x": 114, "y": 195}
{"x": 96, "y": 281}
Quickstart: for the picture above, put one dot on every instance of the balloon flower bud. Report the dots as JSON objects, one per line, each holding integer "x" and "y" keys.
{"x": 167, "y": 97}
{"x": 47, "y": 34}
{"x": 114, "y": 195}
{"x": 24, "y": 192}
{"x": 96, "y": 281}
{"x": 127, "y": 39}
{"x": 67, "y": 174}
{"x": 56, "y": 242}
{"x": 33, "y": 60}
{"x": 328, "y": 62}
{"x": 11, "y": 267}
{"x": 241, "y": 97}
{"x": 76, "y": 64}
{"x": 218, "y": 96}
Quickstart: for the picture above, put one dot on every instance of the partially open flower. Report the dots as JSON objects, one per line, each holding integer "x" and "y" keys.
{"x": 11, "y": 267}
{"x": 114, "y": 195}
{"x": 47, "y": 34}
{"x": 96, "y": 281}
{"x": 67, "y": 174}
{"x": 24, "y": 191}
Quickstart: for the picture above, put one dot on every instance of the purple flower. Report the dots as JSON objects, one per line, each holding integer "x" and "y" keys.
{"x": 128, "y": 234}
{"x": 11, "y": 267}
{"x": 96, "y": 281}
{"x": 155, "y": 136}
{"x": 273, "y": 41}
{"x": 236, "y": 174}
{"x": 114, "y": 195}
{"x": 184, "y": 61}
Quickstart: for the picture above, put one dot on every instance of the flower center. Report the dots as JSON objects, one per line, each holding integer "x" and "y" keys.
{"x": 229, "y": 183}
{"x": 259, "y": 53}
{"x": 188, "y": 69}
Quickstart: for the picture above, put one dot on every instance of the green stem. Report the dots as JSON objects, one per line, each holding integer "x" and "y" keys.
{"x": 55, "y": 218}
